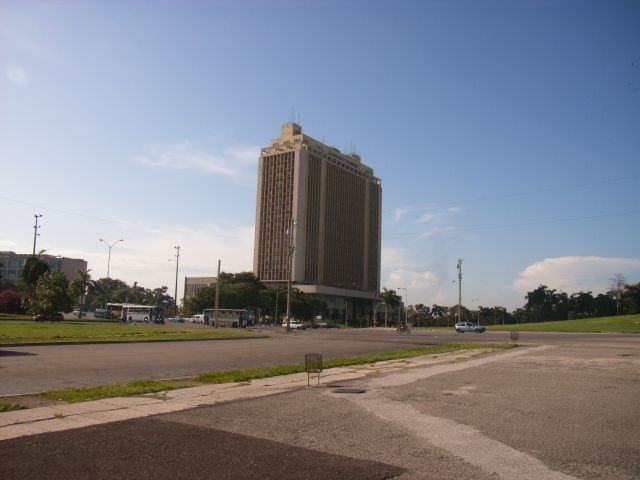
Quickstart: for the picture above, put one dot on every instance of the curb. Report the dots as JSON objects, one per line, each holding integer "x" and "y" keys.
{"x": 110, "y": 342}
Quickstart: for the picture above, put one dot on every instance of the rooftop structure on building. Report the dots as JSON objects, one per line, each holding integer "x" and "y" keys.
{"x": 323, "y": 207}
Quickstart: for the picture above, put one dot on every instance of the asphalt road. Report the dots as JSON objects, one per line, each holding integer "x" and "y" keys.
{"x": 562, "y": 410}
{"x": 32, "y": 369}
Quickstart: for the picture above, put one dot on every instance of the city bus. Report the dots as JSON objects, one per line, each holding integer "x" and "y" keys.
{"x": 131, "y": 313}
{"x": 229, "y": 317}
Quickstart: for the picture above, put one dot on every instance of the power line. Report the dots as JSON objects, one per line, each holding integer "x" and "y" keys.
{"x": 516, "y": 225}
{"x": 423, "y": 206}
{"x": 557, "y": 220}
{"x": 99, "y": 219}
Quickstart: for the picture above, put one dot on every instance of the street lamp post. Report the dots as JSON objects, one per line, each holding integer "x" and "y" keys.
{"x": 175, "y": 299}
{"x": 290, "y": 251}
{"x": 459, "y": 266}
{"x": 35, "y": 232}
{"x": 109, "y": 257}
{"x": 406, "y": 301}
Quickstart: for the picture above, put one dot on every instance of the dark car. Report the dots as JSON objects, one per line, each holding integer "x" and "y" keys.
{"x": 48, "y": 317}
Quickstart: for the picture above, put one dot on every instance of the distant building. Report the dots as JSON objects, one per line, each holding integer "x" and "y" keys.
{"x": 335, "y": 201}
{"x": 193, "y": 284}
{"x": 11, "y": 265}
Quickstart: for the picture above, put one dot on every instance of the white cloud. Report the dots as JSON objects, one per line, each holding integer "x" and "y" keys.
{"x": 28, "y": 44}
{"x": 438, "y": 218}
{"x": 574, "y": 274}
{"x": 17, "y": 75}
{"x": 233, "y": 162}
{"x": 394, "y": 257}
{"x": 437, "y": 231}
{"x": 428, "y": 217}
{"x": 399, "y": 213}
{"x": 422, "y": 287}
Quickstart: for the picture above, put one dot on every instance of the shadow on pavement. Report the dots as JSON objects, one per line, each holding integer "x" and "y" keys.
{"x": 153, "y": 449}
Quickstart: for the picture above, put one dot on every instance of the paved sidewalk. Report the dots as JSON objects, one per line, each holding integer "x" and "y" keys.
{"x": 57, "y": 418}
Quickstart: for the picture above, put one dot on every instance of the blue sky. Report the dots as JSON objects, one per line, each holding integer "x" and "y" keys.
{"x": 505, "y": 133}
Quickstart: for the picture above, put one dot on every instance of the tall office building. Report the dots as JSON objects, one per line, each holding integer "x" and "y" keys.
{"x": 323, "y": 207}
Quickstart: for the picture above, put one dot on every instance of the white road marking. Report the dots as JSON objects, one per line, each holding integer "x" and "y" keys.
{"x": 490, "y": 455}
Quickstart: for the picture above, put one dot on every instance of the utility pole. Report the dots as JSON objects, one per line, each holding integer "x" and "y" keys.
{"x": 459, "y": 289}
{"x": 290, "y": 249}
{"x": 218, "y": 284}
{"x": 35, "y": 232}
{"x": 175, "y": 300}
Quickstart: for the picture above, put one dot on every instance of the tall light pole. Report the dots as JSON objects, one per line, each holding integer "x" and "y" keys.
{"x": 459, "y": 266}
{"x": 35, "y": 232}
{"x": 109, "y": 257}
{"x": 218, "y": 287}
{"x": 290, "y": 250}
{"x": 175, "y": 300}
{"x": 406, "y": 301}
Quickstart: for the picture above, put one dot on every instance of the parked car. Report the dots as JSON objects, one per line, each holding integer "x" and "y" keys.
{"x": 469, "y": 327}
{"x": 48, "y": 317}
{"x": 177, "y": 319}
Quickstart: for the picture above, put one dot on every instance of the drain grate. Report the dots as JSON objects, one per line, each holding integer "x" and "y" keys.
{"x": 349, "y": 390}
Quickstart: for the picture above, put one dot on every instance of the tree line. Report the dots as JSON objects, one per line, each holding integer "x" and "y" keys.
{"x": 40, "y": 290}
{"x": 542, "y": 304}
{"x": 244, "y": 291}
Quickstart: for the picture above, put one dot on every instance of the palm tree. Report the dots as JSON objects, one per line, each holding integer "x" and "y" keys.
{"x": 437, "y": 311}
{"x": 390, "y": 300}
{"x": 81, "y": 286}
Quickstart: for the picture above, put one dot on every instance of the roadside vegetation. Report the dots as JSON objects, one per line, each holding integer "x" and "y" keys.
{"x": 265, "y": 372}
{"x": 621, "y": 324}
{"x": 10, "y": 407}
{"x": 14, "y": 317}
{"x": 85, "y": 394}
{"x": 74, "y": 395}
{"x": 31, "y": 332}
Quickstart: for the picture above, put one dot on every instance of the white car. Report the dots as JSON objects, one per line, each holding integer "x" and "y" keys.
{"x": 469, "y": 327}
{"x": 295, "y": 325}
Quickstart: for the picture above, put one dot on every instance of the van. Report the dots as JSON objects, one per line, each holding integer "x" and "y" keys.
{"x": 197, "y": 319}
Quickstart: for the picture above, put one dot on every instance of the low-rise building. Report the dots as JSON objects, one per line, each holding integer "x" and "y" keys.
{"x": 11, "y": 265}
{"x": 193, "y": 284}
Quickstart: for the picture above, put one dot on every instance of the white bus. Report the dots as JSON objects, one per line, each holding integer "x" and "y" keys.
{"x": 229, "y": 317}
{"x": 131, "y": 313}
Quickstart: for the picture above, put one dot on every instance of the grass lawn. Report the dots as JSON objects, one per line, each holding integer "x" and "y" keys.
{"x": 12, "y": 317}
{"x": 31, "y": 332}
{"x": 621, "y": 324}
{"x": 83, "y": 394}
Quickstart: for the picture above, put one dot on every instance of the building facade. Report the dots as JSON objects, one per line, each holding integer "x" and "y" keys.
{"x": 193, "y": 284}
{"x": 318, "y": 216}
{"x": 11, "y": 265}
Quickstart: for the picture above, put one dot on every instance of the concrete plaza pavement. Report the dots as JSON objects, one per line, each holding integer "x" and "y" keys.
{"x": 547, "y": 412}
